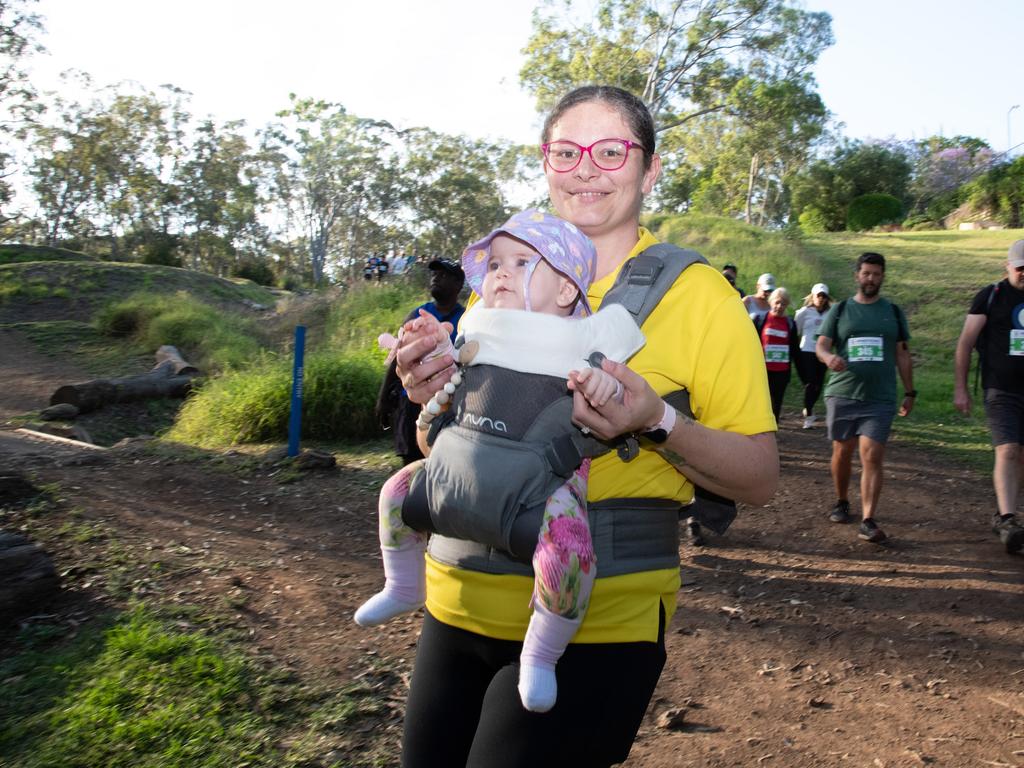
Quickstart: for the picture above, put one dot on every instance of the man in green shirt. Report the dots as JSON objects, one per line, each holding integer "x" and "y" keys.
{"x": 863, "y": 341}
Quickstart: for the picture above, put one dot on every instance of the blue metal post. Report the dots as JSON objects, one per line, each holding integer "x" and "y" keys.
{"x": 295, "y": 421}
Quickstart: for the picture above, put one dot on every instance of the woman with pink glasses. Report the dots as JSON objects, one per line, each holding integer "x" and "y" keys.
{"x": 463, "y": 708}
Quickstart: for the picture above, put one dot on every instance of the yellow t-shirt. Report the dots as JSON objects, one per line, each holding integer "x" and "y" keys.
{"x": 699, "y": 337}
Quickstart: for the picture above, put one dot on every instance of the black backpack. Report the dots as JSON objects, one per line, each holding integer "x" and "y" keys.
{"x": 982, "y": 340}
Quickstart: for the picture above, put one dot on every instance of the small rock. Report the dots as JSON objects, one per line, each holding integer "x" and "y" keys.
{"x": 818, "y": 703}
{"x": 672, "y": 719}
{"x": 313, "y": 459}
{"x": 65, "y": 411}
{"x": 846, "y": 597}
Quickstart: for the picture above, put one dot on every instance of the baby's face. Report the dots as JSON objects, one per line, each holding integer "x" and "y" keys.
{"x": 503, "y": 285}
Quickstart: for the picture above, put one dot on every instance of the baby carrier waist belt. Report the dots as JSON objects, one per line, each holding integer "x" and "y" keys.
{"x": 630, "y": 536}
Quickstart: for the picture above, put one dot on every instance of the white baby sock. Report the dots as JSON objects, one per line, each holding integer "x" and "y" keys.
{"x": 405, "y": 586}
{"x": 545, "y": 642}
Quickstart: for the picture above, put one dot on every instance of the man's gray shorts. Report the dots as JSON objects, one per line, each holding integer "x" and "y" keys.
{"x": 1004, "y": 412}
{"x": 849, "y": 418}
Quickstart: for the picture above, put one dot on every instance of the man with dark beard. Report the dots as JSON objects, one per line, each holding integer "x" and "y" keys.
{"x": 995, "y": 324}
{"x": 393, "y": 407}
{"x": 869, "y": 335}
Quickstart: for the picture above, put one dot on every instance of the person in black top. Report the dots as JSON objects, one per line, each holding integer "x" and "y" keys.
{"x": 393, "y": 408}
{"x": 995, "y": 325}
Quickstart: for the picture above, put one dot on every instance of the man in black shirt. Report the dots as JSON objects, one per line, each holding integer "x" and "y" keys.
{"x": 393, "y": 408}
{"x": 995, "y": 324}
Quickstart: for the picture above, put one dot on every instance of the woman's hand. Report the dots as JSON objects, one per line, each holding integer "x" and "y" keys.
{"x": 637, "y": 410}
{"x": 421, "y": 373}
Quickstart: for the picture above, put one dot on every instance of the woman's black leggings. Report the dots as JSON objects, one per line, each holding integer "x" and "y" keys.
{"x": 464, "y": 709}
{"x": 812, "y": 373}
{"x": 777, "y": 383}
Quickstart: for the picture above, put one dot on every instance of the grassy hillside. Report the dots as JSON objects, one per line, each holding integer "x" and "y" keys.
{"x": 56, "y": 304}
{"x": 932, "y": 275}
{"x": 15, "y": 253}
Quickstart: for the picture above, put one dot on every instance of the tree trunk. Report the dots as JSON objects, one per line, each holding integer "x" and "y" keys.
{"x": 170, "y": 377}
{"x": 751, "y": 178}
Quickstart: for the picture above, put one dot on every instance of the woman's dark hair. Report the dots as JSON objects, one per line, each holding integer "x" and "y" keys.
{"x": 870, "y": 258}
{"x": 632, "y": 109}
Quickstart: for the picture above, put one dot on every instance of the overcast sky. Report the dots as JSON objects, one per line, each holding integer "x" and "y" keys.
{"x": 904, "y": 68}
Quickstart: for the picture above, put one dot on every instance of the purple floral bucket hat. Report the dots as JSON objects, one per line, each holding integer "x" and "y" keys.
{"x": 557, "y": 241}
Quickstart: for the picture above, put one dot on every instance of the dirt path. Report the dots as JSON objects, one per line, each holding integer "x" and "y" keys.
{"x": 794, "y": 645}
{"x": 27, "y": 377}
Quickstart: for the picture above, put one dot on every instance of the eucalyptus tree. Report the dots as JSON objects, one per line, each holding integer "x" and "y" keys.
{"x": 218, "y": 190}
{"x": 336, "y": 176}
{"x": 453, "y": 188}
{"x": 103, "y": 168}
{"x": 740, "y": 69}
{"x": 18, "y": 104}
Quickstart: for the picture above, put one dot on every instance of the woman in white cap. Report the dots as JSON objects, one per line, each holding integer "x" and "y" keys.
{"x": 810, "y": 369}
{"x": 757, "y": 303}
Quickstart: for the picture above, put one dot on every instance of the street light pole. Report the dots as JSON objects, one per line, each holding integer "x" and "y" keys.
{"x": 1009, "y": 141}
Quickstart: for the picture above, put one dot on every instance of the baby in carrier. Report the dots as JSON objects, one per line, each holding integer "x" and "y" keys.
{"x": 495, "y": 422}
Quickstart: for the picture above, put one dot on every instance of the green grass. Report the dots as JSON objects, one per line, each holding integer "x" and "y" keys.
{"x": 211, "y": 339}
{"x": 252, "y": 405}
{"x": 146, "y": 689}
{"x": 933, "y": 276}
{"x": 17, "y": 254}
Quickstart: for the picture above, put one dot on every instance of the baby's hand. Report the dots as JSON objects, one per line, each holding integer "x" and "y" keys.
{"x": 597, "y": 386}
{"x": 428, "y": 325}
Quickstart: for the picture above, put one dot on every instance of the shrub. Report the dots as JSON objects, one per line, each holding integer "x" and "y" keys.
{"x": 869, "y": 211}
{"x": 252, "y": 405}
{"x": 813, "y": 221}
{"x": 252, "y": 269}
{"x": 211, "y": 339}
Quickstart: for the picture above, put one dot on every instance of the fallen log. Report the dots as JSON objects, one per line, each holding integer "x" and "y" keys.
{"x": 170, "y": 377}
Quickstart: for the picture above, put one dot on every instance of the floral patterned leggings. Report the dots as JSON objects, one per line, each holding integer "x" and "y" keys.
{"x": 563, "y": 562}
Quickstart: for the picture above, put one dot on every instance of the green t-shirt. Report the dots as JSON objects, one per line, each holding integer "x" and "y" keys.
{"x": 866, "y": 338}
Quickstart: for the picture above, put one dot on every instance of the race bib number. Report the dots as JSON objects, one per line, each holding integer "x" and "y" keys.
{"x": 865, "y": 349}
{"x": 1017, "y": 343}
{"x": 776, "y": 353}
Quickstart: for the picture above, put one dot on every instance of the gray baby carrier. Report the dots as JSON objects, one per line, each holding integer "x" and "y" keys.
{"x": 507, "y": 443}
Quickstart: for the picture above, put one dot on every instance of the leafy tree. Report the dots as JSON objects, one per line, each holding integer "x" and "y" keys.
{"x": 1001, "y": 190}
{"x": 219, "y": 199}
{"x": 854, "y": 169}
{"x": 337, "y": 175}
{"x": 103, "y": 168}
{"x": 728, "y": 82}
{"x": 942, "y": 167}
{"x": 682, "y": 57}
{"x": 18, "y": 105}
{"x": 452, "y": 189}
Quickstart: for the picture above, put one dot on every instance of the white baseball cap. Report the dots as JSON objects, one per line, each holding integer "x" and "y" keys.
{"x": 1016, "y": 254}
{"x": 767, "y": 280}
{"x": 819, "y": 288}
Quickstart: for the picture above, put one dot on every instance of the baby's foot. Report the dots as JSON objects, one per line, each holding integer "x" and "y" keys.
{"x": 538, "y": 688}
{"x": 382, "y": 607}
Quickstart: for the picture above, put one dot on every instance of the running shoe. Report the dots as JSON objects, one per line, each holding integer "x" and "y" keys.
{"x": 840, "y": 513}
{"x": 869, "y": 531}
{"x": 810, "y": 421}
{"x": 1009, "y": 532}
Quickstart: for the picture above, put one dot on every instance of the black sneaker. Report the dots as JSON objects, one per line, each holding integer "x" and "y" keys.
{"x": 869, "y": 531}
{"x": 1009, "y": 532}
{"x": 693, "y": 534}
{"x": 840, "y": 513}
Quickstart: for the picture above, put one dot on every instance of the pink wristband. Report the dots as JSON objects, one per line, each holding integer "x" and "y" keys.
{"x": 668, "y": 420}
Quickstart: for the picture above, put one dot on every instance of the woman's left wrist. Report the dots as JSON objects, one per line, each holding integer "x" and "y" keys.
{"x": 659, "y": 431}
